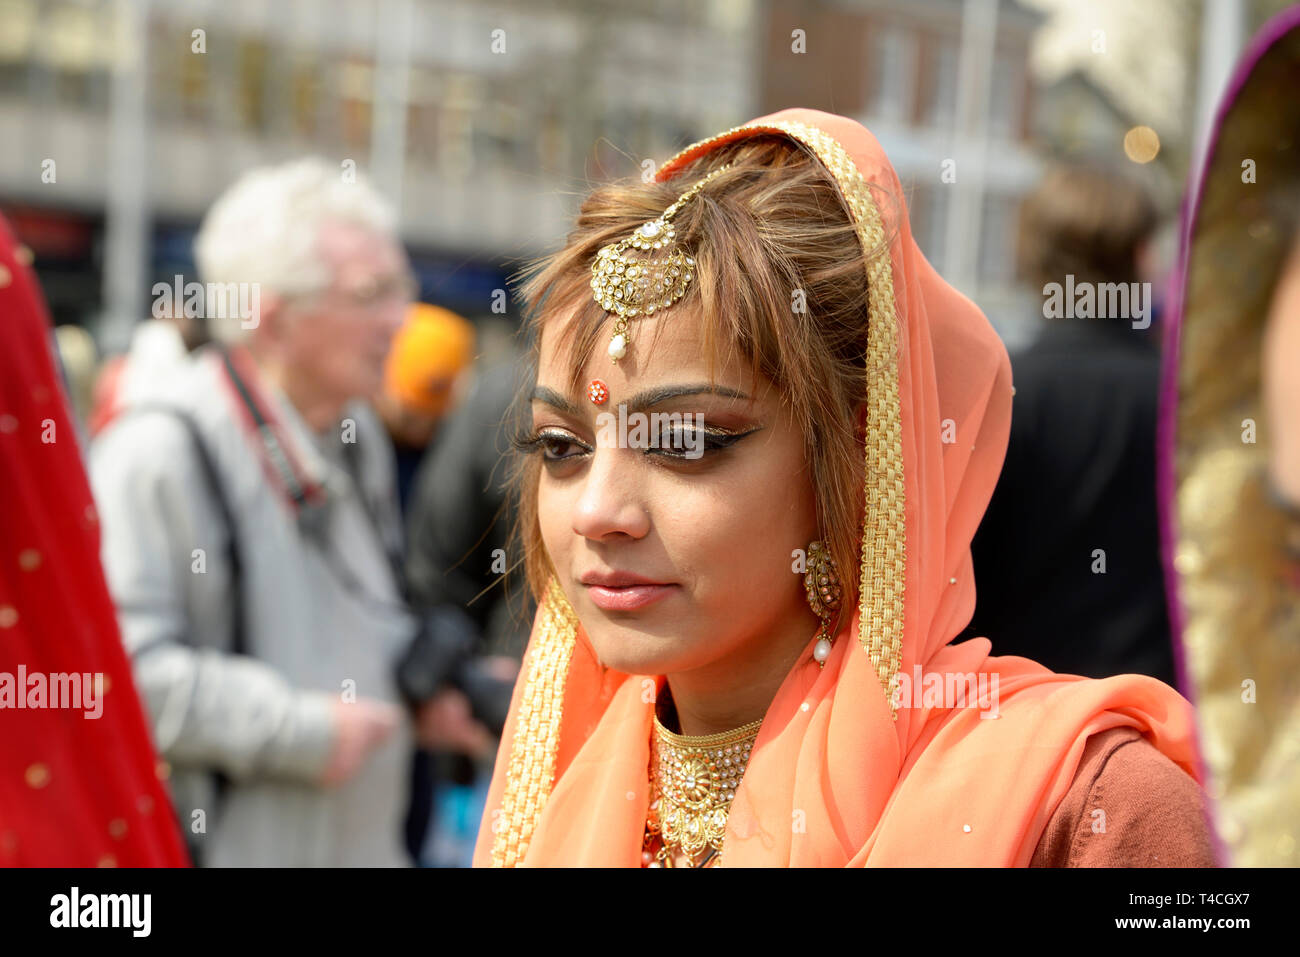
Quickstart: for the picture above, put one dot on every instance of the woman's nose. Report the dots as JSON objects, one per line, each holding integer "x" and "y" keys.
{"x": 611, "y": 502}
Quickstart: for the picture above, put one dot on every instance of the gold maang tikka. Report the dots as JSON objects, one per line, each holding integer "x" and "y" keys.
{"x": 630, "y": 285}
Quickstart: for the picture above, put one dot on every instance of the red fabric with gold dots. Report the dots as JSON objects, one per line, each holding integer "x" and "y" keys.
{"x": 74, "y": 791}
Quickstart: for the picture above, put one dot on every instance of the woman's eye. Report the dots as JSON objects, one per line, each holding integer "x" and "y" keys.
{"x": 558, "y": 447}
{"x": 688, "y": 443}
{"x": 683, "y": 441}
{"x": 554, "y": 445}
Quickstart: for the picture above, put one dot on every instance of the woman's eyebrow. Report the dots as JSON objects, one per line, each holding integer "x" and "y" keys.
{"x": 552, "y": 398}
{"x": 652, "y": 397}
{"x": 642, "y": 400}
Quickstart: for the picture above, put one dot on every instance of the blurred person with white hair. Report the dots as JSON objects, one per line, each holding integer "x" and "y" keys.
{"x": 252, "y": 538}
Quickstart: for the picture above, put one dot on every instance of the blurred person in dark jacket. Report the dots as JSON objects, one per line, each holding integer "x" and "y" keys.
{"x": 428, "y": 369}
{"x": 458, "y": 534}
{"x": 1067, "y": 562}
{"x": 459, "y": 522}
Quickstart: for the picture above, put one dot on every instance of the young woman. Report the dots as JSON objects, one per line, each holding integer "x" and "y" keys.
{"x": 742, "y": 650}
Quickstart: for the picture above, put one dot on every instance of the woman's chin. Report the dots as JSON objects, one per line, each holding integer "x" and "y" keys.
{"x": 637, "y": 653}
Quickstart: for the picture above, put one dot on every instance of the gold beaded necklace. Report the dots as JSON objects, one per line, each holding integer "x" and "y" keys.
{"x": 692, "y": 783}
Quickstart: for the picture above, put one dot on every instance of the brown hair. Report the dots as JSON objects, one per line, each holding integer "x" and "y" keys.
{"x": 1086, "y": 219}
{"x": 768, "y": 228}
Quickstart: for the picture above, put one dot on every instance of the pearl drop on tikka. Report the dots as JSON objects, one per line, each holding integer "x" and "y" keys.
{"x": 822, "y": 651}
{"x": 618, "y": 346}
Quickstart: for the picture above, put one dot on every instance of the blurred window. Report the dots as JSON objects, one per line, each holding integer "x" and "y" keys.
{"x": 17, "y": 43}
{"x": 72, "y": 47}
{"x": 928, "y": 215}
{"x": 424, "y": 114}
{"x": 305, "y": 92}
{"x": 891, "y": 52}
{"x": 500, "y": 136}
{"x": 355, "y": 84}
{"x": 1006, "y": 95}
{"x": 195, "y": 81}
{"x": 941, "y": 110}
{"x": 252, "y": 83}
{"x": 997, "y": 239}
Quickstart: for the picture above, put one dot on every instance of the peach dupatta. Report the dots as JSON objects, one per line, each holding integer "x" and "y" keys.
{"x": 835, "y": 778}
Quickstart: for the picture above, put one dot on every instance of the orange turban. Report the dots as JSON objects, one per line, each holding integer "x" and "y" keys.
{"x": 433, "y": 346}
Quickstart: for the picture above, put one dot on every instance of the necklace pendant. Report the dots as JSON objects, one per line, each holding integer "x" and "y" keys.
{"x": 693, "y": 782}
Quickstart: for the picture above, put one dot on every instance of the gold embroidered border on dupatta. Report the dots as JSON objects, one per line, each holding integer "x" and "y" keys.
{"x": 1241, "y": 615}
{"x": 537, "y": 729}
{"x": 883, "y": 565}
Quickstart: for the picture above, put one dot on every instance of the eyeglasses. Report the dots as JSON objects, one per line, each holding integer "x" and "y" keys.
{"x": 371, "y": 291}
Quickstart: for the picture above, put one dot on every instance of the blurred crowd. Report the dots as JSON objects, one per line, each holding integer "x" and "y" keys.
{"x": 300, "y": 470}
{"x": 299, "y": 473}
{"x": 303, "y": 530}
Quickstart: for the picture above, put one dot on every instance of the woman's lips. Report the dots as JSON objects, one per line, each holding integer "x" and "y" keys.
{"x": 626, "y": 597}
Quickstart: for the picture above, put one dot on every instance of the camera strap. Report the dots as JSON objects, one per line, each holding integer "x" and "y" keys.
{"x": 301, "y": 493}
{"x": 307, "y": 498}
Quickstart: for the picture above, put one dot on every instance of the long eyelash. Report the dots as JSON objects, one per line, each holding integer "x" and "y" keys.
{"x": 714, "y": 441}
{"x": 528, "y": 442}
{"x": 525, "y": 440}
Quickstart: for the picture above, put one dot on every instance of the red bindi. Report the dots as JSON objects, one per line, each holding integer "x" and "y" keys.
{"x": 597, "y": 392}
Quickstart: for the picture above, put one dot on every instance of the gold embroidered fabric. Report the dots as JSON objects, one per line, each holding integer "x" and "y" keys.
{"x": 537, "y": 731}
{"x": 882, "y": 577}
{"x": 1241, "y": 633}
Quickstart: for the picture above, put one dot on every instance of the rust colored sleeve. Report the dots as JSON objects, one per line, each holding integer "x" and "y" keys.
{"x": 1129, "y": 806}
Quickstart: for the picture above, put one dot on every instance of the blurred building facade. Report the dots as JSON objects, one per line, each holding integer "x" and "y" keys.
{"x": 125, "y": 118}
{"x": 487, "y": 120}
{"x": 945, "y": 86}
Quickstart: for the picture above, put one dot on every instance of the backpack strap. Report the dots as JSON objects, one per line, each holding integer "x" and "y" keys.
{"x": 217, "y": 495}
{"x": 238, "y": 640}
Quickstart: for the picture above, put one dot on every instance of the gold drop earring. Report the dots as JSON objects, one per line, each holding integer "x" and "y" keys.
{"x": 821, "y": 581}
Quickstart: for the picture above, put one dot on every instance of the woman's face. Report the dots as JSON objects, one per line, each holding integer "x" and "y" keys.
{"x": 675, "y": 557}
